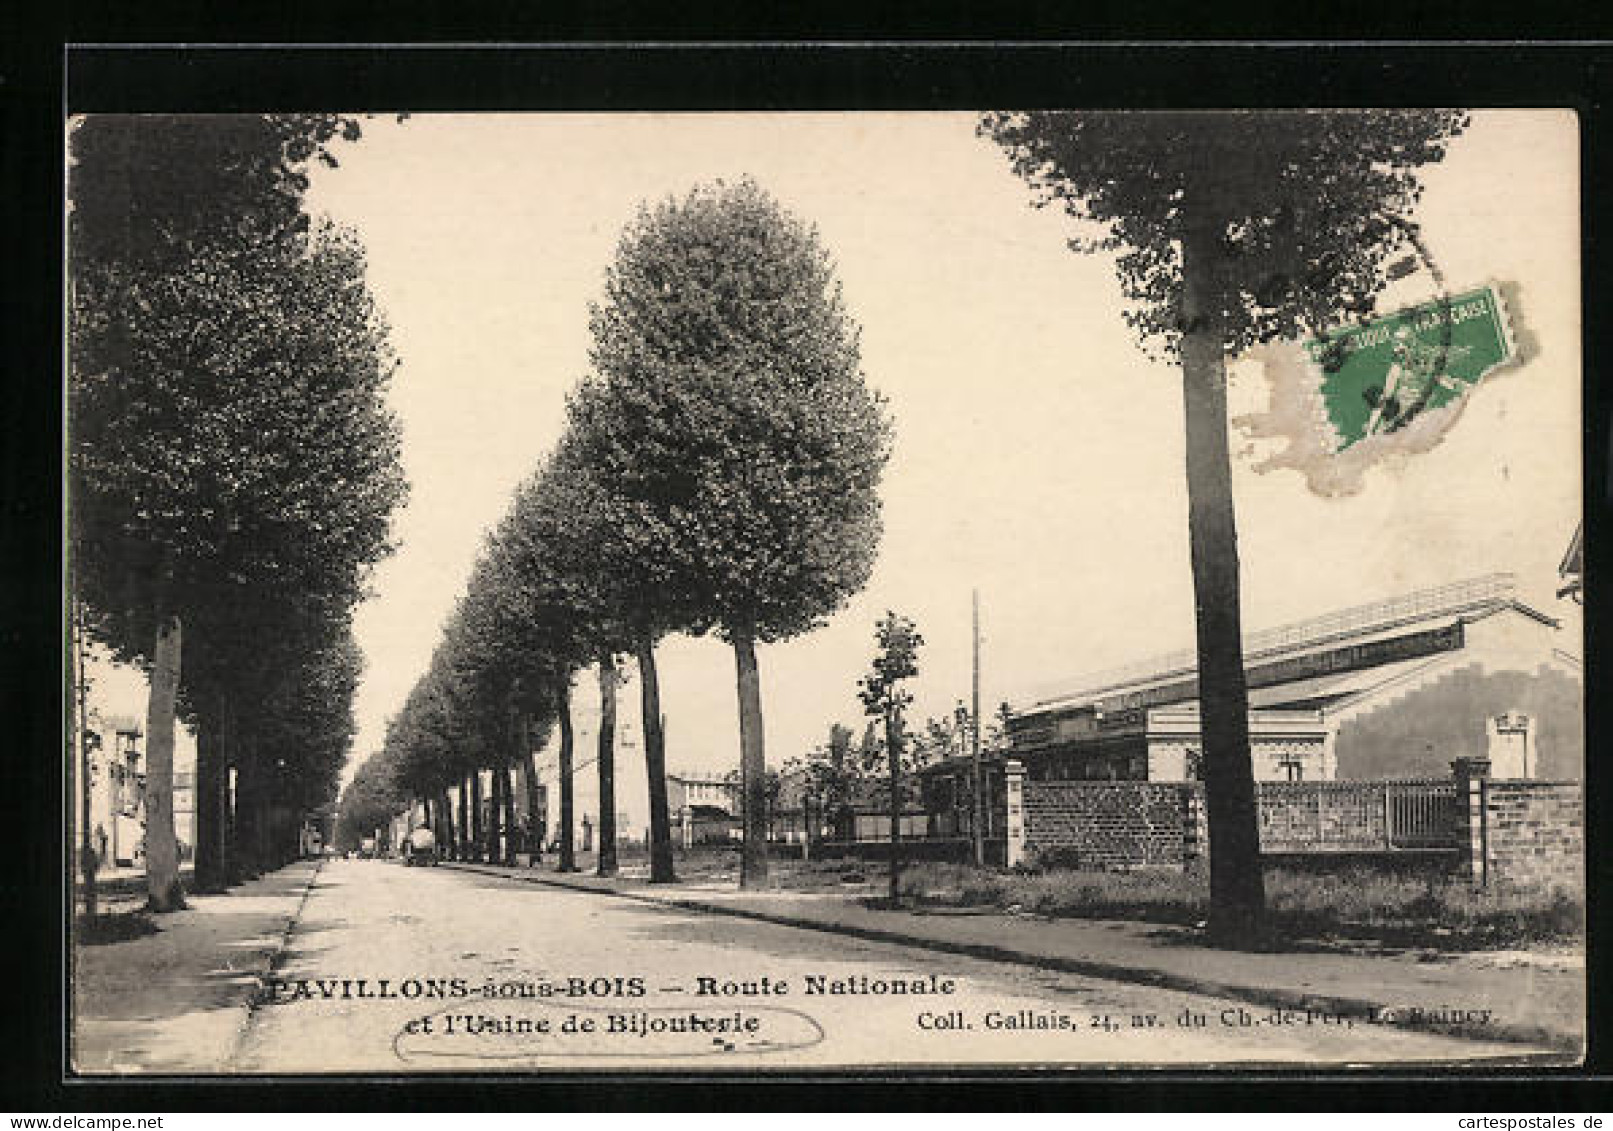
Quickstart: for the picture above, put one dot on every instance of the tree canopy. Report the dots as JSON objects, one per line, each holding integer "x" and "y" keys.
{"x": 233, "y": 466}
{"x": 729, "y": 416}
{"x": 1307, "y": 206}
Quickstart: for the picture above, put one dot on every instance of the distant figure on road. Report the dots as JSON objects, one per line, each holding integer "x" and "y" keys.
{"x": 422, "y": 845}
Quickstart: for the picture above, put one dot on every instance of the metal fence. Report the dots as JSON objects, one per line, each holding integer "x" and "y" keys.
{"x": 1351, "y": 816}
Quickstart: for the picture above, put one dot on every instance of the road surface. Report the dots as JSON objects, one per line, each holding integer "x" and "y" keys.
{"x": 394, "y": 969}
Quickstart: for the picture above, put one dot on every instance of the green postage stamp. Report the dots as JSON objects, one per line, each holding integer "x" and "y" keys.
{"x": 1379, "y": 377}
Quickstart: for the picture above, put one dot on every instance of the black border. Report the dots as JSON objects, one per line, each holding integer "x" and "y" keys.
{"x": 947, "y": 70}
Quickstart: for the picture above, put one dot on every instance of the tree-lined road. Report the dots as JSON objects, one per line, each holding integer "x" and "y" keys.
{"x": 428, "y": 943}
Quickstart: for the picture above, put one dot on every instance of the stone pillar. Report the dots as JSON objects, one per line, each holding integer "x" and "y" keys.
{"x": 1472, "y": 822}
{"x": 1511, "y": 750}
{"x": 1014, "y": 774}
{"x": 1195, "y": 834}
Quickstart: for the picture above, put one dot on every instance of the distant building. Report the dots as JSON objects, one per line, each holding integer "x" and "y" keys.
{"x": 702, "y": 807}
{"x": 117, "y": 785}
{"x": 1392, "y": 689}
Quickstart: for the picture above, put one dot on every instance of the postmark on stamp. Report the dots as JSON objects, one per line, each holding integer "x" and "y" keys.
{"x": 1377, "y": 378}
{"x": 1353, "y": 396}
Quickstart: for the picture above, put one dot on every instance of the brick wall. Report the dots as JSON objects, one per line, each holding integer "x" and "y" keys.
{"x": 1110, "y": 824}
{"x": 1136, "y": 824}
{"x": 1510, "y": 832}
{"x": 1533, "y": 832}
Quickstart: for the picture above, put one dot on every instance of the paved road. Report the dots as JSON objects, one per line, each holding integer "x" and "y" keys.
{"x": 423, "y": 969}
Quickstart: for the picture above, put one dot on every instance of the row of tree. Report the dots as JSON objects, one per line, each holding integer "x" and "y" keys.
{"x": 720, "y": 505}
{"x": 233, "y": 466}
{"x": 717, "y": 474}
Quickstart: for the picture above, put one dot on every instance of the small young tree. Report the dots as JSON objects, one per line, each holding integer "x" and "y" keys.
{"x": 884, "y": 696}
{"x": 1233, "y": 228}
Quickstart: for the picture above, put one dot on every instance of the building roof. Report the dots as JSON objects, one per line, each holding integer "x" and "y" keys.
{"x": 1574, "y": 557}
{"x": 1325, "y": 690}
{"x": 700, "y": 777}
{"x": 1173, "y": 674}
{"x": 1572, "y": 569}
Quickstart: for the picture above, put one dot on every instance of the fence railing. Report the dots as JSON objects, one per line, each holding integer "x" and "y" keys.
{"x": 1367, "y": 816}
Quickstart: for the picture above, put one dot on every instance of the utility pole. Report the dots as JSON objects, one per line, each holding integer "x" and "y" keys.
{"x": 978, "y": 790}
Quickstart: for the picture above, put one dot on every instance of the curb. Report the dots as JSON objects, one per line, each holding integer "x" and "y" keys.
{"x": 1270, "y": 997}
{"x": 259, "y": 992}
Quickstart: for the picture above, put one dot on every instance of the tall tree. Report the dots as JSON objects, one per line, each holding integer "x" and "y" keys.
{"x": 728, "y": 416}
{"x": 885, "y": 696}
{"x": 226, "y": 363}
{"x": 636, "y": 596}
{"x": 547, "y": 608}
{"x": 1232, "y": 228}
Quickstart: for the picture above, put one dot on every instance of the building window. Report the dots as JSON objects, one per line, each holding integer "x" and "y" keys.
{"x": 1293, "y": 769}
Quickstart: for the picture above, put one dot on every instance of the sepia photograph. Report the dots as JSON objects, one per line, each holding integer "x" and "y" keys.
{"x": 756, "y": 592}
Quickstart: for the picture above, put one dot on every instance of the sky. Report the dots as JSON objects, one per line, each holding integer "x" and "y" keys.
{"x": 1038, "y": 453}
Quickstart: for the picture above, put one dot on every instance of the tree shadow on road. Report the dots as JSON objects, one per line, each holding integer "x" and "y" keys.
{"x": 113, "y": 927}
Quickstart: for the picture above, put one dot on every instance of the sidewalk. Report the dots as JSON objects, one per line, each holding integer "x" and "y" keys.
{"x": 1527, "y": 1000}
{"x": 177, "y": 1000}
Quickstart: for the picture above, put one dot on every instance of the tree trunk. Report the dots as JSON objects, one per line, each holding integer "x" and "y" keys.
{"x": 249, "y": 816}
{"x": 478, "y": 829}
{"x": 445, "y": 821}
{"x": 661, "y": 870}
{"x": 78, "y": 721}
{"x": 607, "y": 766}
{"x": 568, "y": 837}
{"x": 495, "y": 814}
{"x": 209, "y": 804}
{"x": 231, "y": 755}
{"x": 507, "y": 778}
{"x": 752, "y": 765}
{"x": 893, "y": 753}
{"x": 269, "y": 818}
{"x": 1237, "y": 889}
{"x": 163, "y": 890}
{"x": 462, "y": 837}
{"x": 537, "y": 818}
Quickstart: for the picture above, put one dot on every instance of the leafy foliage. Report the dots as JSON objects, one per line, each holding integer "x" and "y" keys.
{"x": 729, "y": 419}
{"x": 1307, "y": 206}
{"x": 233, "y": 466}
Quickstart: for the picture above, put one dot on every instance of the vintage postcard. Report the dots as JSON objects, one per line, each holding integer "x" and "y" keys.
{"x": 754, "y": 592}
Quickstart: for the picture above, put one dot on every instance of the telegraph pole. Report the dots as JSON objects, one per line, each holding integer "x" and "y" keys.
{"x": 978, "y": 824}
